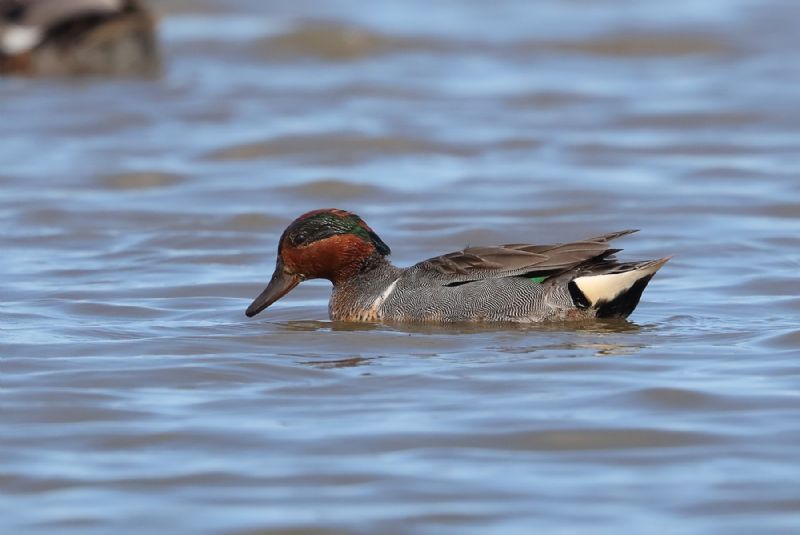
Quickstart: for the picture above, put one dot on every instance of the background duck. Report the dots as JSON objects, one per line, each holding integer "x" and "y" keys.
{"x": 77, "y": 37}
{"x": 507, "y": 283}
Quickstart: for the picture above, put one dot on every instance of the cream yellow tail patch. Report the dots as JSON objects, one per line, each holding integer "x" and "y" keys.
{"x": 606, "y": 287}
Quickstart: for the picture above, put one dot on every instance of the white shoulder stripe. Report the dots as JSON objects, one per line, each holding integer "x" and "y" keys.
{"x": 384, "y": 296}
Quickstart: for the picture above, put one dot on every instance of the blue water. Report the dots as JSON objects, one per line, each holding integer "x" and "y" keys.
{"x": 139, "y": 218}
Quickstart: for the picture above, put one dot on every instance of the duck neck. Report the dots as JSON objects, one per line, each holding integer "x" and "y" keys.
{"x": 354, "y": 296}
{"x": 366, "y": 269}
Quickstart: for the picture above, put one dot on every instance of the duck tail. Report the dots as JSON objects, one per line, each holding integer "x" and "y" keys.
{"x": 615, "y": 292}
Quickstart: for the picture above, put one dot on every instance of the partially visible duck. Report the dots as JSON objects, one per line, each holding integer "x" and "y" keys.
{"x": 520, "y": 283}
{"x": 77, "y": 37}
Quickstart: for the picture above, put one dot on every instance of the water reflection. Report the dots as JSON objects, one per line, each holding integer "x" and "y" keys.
{"x": 338, "y": 363}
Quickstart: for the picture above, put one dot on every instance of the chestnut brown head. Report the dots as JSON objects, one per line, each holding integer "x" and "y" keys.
{"x": 323, "y": 244}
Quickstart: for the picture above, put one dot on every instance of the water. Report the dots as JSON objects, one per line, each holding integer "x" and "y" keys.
{"x": 140, "y": 218}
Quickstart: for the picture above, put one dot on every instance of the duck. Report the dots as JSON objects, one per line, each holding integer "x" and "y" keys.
{"x": 514, "y": 283}
{"x": 77, "y": 37}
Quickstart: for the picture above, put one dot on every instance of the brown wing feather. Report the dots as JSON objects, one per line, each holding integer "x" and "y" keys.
{"x": 514, "y": 259}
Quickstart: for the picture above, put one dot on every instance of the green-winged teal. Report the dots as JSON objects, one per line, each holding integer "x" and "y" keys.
{"x": 77, "y": 37}
{"x": 505, "y": 283}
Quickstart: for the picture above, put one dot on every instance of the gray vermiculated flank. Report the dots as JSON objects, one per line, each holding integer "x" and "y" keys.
{"x": 483, "y": 284}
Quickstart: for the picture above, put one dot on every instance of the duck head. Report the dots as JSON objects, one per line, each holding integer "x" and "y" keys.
{"x": 322, "y": 244}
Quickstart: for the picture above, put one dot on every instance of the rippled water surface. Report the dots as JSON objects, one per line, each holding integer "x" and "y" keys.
{"x": 140, "y": 217}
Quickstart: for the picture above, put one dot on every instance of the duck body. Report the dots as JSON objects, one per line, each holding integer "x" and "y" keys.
{"x": 519, "y": 283}
{"x": 416, "y": 295}
{"x": 77, "y": 37}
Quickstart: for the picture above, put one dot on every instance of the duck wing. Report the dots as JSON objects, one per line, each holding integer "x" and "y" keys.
{"x": 516, "y": 259}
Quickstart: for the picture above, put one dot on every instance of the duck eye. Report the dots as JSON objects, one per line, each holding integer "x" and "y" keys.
{"x": 300, "y": 238}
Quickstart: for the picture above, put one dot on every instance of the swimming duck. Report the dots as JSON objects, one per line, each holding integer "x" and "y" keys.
{"x": 506, "y": 283}
{"x": 77, "y": 37}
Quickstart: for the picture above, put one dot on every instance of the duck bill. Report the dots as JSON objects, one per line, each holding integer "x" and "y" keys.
{"x": 280, "y": 285}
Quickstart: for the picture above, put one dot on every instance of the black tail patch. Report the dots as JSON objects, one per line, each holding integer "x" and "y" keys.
{"x": 578, "y": 298}
{"x": 622, "y": 305}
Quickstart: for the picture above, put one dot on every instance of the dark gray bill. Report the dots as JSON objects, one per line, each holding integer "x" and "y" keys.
{"x": 280, "y": 285}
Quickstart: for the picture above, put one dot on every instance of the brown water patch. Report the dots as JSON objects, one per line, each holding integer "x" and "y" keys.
{"x": 607, "y": 439}
{"x": 72, "y": 415}
{"x": 339, "y": 363}
{"x": 745, "y": 507}
{"x": 559, "y": 440}
{"x": 111, "y": 311}
{"x": 233, "y": 259}
{"x": 516, "y": 144}
{"x": 220, "y": 113}
{"x": 786, "y": 340}
{"x": 332, "y": 189}
{"x": 626, "y": 45}
{"x": 671, "y": 398}
{"x": 253, "y": 221}
{"x": 141, "y": 180}
{"x": 109, "y": 124}
{"x": 552, "y": 99}
{"x": 332, "y": 41}
{"x": 675, "y": 149}
{"x": 47, "y": 215}
{"x": 341, "y": 146}
{"x": 313, "y": 530}
{"x": 691, "y": 120}
{"x": 728, "y": 173}
{"x": 84, "y": 521}
{"x": 368, "y": 89}
{"x": 180, "y": 438}
{"x": 189, "y": 7}
{"x": 779, "y": 210}
{"x": 785, "y": 284}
